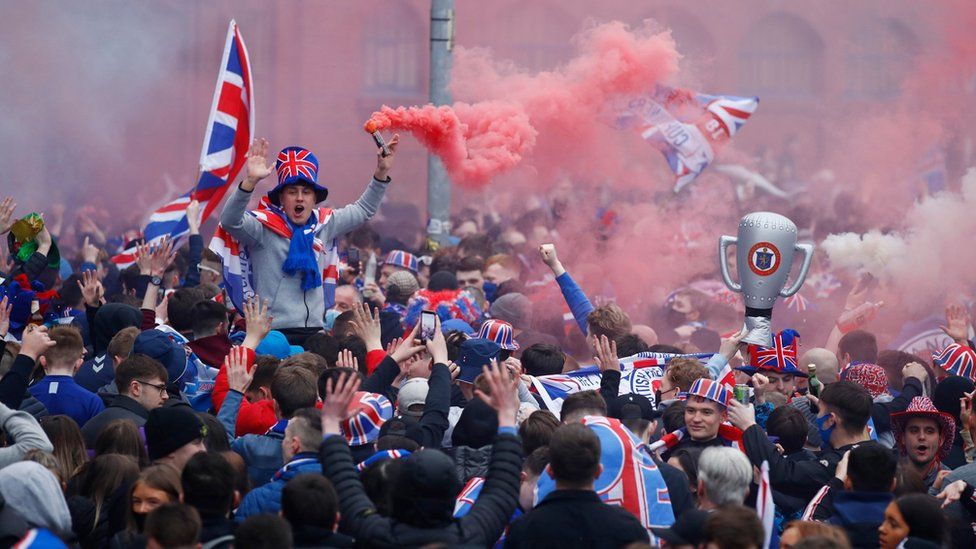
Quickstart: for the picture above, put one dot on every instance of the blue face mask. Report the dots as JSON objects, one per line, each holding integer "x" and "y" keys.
{"x": 490, "y": 288}
{"x": 824, "y": 432}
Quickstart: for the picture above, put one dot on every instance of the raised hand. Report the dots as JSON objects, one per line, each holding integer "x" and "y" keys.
{"x": 162, "y": 257}
{"x": 606, "y": 353}
{"x": 730, "y": 345}
{"x": 503, "y": 397}
{"x": 409, "y": 347}
{"x": 5, "y": 309}
{"x": 385, "y": 163}
{"x": 437, "y": 345}
{"x": 549, "y": 257}
{"x": 35, "y": 341}
{"x": 957, "y": 323}
{"x": 258, "y": 317}
{"x": 339, "y": 394}
{"x": 89, "y": 252}
{"x": 7, "y": 207}
{"x": 366, "y": 323}
{"x": 235, "y": 365}
{"x": 144, "y": 254}
{"x": 91, "y": 289}
{"x": 392, "y": 346}
{"x": 347, "y": 360}
{"x": 760, "y": 385}
{"x": 193, "y": 216}
{"x": 952, "y": 493}
{"x": 258, "y": 166}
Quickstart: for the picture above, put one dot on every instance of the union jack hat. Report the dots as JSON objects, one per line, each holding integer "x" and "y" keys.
{"x": 400, "y": 258}
{"x": 297, "y": 166}
{"x": 958, "y": 360}
{"x": 923, "y": 407}
{"x": 710, "y": 390}
{"x": 780, "y": 358}
{"x": 500, "y": 332}
{"x": 371, "y": 411}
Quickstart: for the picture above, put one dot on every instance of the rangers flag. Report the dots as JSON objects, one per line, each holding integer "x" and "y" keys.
{"x": 225, "y": 145}
{"x": 687, "y": 127}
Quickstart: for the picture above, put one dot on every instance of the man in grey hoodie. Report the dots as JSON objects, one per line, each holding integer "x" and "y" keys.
{"x": 287, "y": 270}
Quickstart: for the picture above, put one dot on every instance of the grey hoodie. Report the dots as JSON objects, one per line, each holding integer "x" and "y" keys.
{"x": 35, "y": 493}
{"x": 24, "y": 431}
{"x": 290, "y": 306}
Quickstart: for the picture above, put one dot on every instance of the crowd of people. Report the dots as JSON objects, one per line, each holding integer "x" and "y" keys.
{"x": 153, "y": 406}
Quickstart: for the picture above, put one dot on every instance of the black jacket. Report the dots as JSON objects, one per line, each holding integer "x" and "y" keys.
{"x": 306, "y": 537}
{"x": 801, "y": 479}
{"x": 119, "y": 407}
{"x": 482, "y": 526}
{"x": 575, "y": 518}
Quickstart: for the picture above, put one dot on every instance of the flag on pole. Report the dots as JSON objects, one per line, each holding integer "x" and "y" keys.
{"x": 764, "y": 505}
{"x": 230, "y": 127}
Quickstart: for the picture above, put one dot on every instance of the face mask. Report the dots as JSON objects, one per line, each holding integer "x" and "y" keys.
{"x": 140, "y": 520}
{"x": 824, "y": 432}
{"x": 490, "y": 288}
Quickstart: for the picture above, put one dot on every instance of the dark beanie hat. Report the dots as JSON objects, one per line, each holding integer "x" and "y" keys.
{"x": 170, "y": 428}
{"x": 442, "y": 280}
{"x": 477, "y": 425}
{"x": 948, "y": 392}
{"x": 426, "y": 489}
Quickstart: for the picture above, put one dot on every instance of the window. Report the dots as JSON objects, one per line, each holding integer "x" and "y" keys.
{"x": 877, "y": 58}
{"x": 781, "y": 57}
{"x": 395, "y": 53}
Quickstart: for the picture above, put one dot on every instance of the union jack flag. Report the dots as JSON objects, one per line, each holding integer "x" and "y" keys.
{"x": 798, "y": 303}
{"x": 688, "y": 127}
{"x": 225, "y": 145}
{"x": 370, "y": 412}
{"x": 782, "y": 356}
{"x": 630, "y": 478}
{"x": 293, "y": 163}
{"x": 956, "y": 359}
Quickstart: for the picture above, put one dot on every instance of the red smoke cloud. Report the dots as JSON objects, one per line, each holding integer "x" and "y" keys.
{"x": 548, "y": 120}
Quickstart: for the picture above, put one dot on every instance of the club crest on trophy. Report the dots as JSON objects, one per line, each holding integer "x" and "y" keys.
{"x": 765, "y": 245}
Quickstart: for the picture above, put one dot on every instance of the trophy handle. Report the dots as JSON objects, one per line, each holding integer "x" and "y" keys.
{"x": 807, "y": 250}
{"x": 723, "y": 246}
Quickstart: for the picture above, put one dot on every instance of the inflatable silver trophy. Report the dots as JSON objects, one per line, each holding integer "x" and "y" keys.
{"x": 764, "y": 256}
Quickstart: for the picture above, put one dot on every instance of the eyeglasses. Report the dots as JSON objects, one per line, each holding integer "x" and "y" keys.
{"x": 201, "y": 268}
{"x": 161, "y": 387}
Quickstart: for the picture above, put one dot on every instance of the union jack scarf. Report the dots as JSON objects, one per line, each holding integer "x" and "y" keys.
{"x": 236, "y": 258}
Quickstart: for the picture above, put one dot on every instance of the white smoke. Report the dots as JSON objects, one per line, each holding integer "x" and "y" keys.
{"x": 934, "y": 255}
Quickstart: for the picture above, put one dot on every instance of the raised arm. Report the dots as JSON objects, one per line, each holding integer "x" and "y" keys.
{"x": 359, "y": 516}
{"x": 233, "y": 219}
{"x": 349, "y": 217}
{"x": 575, "y": 298}
{"x": 196, "y": 245}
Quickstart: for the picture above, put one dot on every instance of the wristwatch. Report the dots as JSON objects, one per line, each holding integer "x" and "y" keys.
{"x": 156, "y": 281}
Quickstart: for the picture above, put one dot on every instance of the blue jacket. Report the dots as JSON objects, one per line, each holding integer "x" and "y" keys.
{"x": 267, "y": 498}
{"x": 61, "y": 395}
{"x": 261, "y": 453}
{"x": 578, "y": 303}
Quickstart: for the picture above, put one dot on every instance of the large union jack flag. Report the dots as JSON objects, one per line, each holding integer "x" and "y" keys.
{"x": 225, "y": 145}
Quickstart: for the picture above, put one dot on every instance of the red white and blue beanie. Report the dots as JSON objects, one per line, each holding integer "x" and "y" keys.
{"x": 369, "y": 412}
{"x": 500, "y": 332}
{"x": 400, "y": 258}
{"x": 711, "y": 390}
{"x": 957, "y": 360}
